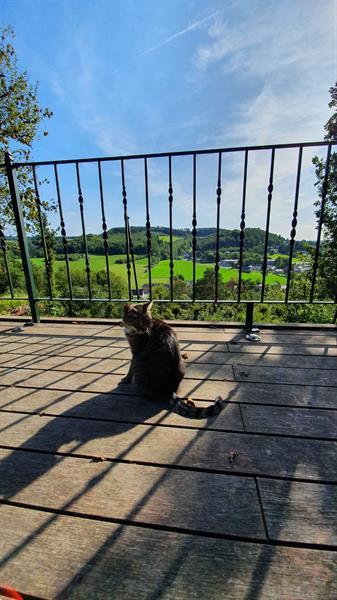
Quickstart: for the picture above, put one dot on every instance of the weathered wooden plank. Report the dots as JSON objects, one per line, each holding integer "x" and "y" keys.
{"x": 101, "y": 383}
{"x": 58, "y": 344}
{"x": 214, "y": 335}
{"x": 55, "y": 556}
{"x": 324, "y": 377}
{"x": 201, "y": 449}
{"x": 64, "y": 363}
{"x": 97, "y": 382}
{"x": 197, "y": 501}
{"x": 70, "y": 350}
{"x": 290, "y": 421}
{"x": 259, "y": 393}
{"x": 301, "y": 512}
{"x": 245, "y": 393}
{"x": 103, "y": 360}
{"x": 297, "y": 349}
{"x": 118, "y": 407}
{"x": 240, "y": 337}
{"x": 265, "y": 360}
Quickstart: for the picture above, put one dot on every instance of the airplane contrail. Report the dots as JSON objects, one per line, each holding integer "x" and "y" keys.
{"x": 180, "y": 33}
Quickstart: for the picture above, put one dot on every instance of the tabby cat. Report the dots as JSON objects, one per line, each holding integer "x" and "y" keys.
{"x": 157, "y": 367}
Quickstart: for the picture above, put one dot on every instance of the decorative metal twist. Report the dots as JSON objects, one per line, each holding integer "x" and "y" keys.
{"x": 194, "y": 222}
{"x": 63, "y": 233}
{"x": 104, "y": 228}
{"x": 42, "y": 218}
{"x": 3, "y": 239}
{"x": 4, "y": 248}
{"x": 170, "y": 200}
{"x": 126, "y": 225}
{"x": 148, "y": 228}
{"x": 218, "y": 202}
{"x": 270, "y": 196}
{"x": 81, "y": 201}
{"x": 269, "y": 199}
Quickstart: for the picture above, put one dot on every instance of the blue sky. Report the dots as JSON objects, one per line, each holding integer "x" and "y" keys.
{"x": 146, "y": 76}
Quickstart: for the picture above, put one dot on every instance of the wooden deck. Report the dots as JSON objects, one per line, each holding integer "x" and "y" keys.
{"x": 104, "y": 494}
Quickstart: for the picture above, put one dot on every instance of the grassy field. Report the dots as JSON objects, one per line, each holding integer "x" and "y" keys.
{"x": 166, "y": 238}
{"x": 161, "y": 271}
{"x": 275, "y": 256}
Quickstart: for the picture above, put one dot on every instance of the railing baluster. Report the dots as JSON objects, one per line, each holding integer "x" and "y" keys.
{"x": 294, "y": 222}
{"x": 132, "y": 252}
{"x": 126, "y": 226}
{"x": 148, "y": 227}
{"x": 4, "y": 252}
{"x": 320, "y": 223}
{"x": 242, "y": 222}
{"x": 104, "y": 227}
{"x": 170, "y": 199}
{"x": 43, "y": 237}
{"x": 80, "y": 201}
{"x": 63, "y": 234}
{"x": 270, "y": 197}
{"x": 218, "y": 202}
{"x": 194, "y": 220}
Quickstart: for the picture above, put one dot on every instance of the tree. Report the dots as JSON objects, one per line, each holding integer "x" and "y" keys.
{"x": 205, "y": 287}
{"x": 327, "y": 268}
{"x": 20, "y": 119}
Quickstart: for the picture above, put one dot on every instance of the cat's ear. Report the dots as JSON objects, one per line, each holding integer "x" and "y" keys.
{"x": 147, "y": 306}
{"x": 126, "y": 308}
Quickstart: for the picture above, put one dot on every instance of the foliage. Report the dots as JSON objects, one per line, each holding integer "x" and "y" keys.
{"x": 327, "y": 267}
{"x": 20, "y": 118}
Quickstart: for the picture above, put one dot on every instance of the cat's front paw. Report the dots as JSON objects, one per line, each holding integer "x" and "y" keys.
{"x": 126, "y": 379}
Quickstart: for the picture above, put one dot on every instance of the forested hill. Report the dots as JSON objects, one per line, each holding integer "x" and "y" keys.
{"x": 254, "y": 240}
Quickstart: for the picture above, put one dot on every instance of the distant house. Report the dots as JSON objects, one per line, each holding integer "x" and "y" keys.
{"x": 251, "y": 268}
{"x": 301, "y": 267}
{"x": 140, "y": 293}
{"x": 228, "y": 263}
{"x": 146, "y": 288}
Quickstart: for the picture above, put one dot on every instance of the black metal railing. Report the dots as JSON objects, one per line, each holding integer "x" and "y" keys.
{"x": 12, "y": 169}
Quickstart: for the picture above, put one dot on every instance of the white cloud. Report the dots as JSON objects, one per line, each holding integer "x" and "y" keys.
{"x": 286, "y": 55}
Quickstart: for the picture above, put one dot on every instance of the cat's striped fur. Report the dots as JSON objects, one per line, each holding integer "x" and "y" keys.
{"x": 157, "y": 367}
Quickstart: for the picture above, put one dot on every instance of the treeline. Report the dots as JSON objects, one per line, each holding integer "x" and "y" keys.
{"x": 229, "y": 243}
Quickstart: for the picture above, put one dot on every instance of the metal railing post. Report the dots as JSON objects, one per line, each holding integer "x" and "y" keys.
{"x": 249, "y": 316}
{"x": 22, "y": 238}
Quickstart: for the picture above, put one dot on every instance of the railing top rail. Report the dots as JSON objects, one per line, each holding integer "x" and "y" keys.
{"x": 172, "y": 153}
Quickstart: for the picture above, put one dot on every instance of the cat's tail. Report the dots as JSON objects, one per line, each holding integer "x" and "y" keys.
{"x": 187, "y": 408}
